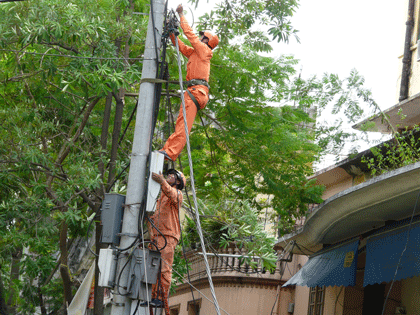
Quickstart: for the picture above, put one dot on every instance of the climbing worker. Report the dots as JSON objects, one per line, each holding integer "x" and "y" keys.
{"x": 198, "y": 72}
{"x": 164, "y": 229}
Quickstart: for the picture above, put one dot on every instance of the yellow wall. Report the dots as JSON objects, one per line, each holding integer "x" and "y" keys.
{"x": 410, "y": 295}
{"x": 414, "y": 87}
{"x": 301, "y": 300}
{"x": 234, "y": 299}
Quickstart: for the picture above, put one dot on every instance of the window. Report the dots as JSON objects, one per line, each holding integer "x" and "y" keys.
{"x": 316, "y": 301}
{"x": 194, "y": 306}
{"x": 174, "y": 310}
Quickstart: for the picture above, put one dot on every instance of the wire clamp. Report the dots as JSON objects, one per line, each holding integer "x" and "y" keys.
{"x": 128, "y": 234}
{"x": 118, "y": 304}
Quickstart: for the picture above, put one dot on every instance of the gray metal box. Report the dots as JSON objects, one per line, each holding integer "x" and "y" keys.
{"x": 111, "y": 217}
{"x": 141, "y": 275}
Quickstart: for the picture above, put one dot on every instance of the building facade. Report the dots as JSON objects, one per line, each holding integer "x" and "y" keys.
{"x": 363, "y": 240}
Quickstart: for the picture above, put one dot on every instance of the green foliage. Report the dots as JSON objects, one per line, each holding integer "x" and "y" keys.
{"x": 233, "y": 223}
{"x": 240, "y": 18}
{"x": 58, "y": 62}
{"x": 258, "y": 133}
{"x": 402, "y": 150}
{"x": 61, "y": 61}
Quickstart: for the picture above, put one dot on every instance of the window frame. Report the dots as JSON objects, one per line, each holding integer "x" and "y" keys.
{"x": 176, "y": 307}
{"x": 196, "y": 303}
{"x": 316, "y": 300}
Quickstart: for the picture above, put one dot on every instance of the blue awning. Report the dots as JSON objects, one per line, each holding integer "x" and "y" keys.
{"x": 332, "y": 267}
{"x": 383, "y": 252}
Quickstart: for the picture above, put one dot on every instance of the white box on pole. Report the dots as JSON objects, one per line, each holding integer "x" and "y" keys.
{"x": 156, "y": 166}
{"x": 107, "y": 267}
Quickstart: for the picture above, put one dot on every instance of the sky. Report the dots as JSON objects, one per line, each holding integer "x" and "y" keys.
{"x": 338, "y": 36}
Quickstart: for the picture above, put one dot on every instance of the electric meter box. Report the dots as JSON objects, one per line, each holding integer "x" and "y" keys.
{"x": 144, "y": 269}
{"x": 111, "y": 218}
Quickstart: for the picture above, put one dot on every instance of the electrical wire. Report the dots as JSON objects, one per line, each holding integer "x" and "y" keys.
{"x": 185, "y": 256}
{"x": 192, "y": 182}
{"x": 76, "y": 57}
{"x": 196, "y": 289}
{"x": 278, "y": 293}
{"x": 310, "y": 251}
{"x": 144, "y": 259}
{"x": 87, "y": 236}
{"x": 402, "y": 253}
{"x": 157, "y": 229}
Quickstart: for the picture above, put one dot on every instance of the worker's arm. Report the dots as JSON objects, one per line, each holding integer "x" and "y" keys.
{"x": 202, "y": 49}
{"x": 173, "y": 194}
{"x": 184, "y": 49}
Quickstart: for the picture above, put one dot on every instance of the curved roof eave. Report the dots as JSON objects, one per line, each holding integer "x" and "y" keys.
{"x": 359, "y": 209}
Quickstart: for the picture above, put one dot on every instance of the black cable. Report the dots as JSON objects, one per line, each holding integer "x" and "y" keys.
{"x": 137, "y": 307}
{"x": 87, "y": 236}
{"x": 128, "y": 247}
{"x": 117, "y": 284}
{"x": 402, "y": 253}
{"x": 128, "y": 124}
{"x": 118, "y": 177}
{"x": 152, "y": 11}
{"x": 156, "y": 228}
{"x": 298, "y": 246}
{"x": 278, "y": 293}
{"x": 185, "y": 258}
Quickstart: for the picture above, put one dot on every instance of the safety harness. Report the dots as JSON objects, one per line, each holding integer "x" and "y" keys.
{"x": 192, "y": 83}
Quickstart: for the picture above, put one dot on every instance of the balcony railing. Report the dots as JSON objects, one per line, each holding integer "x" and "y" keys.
{"x": 226, "y": 262}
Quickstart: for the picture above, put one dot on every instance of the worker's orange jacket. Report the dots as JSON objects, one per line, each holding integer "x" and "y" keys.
{"x": 166, "y": 216}
{"x": 199, "y": 56}
{"x": 166, "y": 220}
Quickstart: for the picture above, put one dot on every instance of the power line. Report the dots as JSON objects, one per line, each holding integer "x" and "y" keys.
{"x": 193, "y": 186}
{"x": 186, "y": 280}
{"x": 73, "y": 56}
{"x": 402, "y": 253}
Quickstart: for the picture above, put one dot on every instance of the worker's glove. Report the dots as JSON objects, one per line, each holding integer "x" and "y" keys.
{"x": 180, "y": 9}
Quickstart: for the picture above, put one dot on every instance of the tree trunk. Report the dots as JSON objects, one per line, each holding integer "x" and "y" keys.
{"x": 3, "y": 306}
{"x": 41, "y": 302}
{"x": 14, "y": 275}
{"x": 115, "y": 138}
{"x": 98, "y": 291}
{"x": 104, "y": 134}
{"x": 64, "y": 269}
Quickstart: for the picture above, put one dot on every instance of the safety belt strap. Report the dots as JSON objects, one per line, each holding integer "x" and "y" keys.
{"x": 194, "y": 100}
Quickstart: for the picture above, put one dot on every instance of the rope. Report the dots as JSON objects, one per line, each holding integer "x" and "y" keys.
{"x": 203, "y": 247}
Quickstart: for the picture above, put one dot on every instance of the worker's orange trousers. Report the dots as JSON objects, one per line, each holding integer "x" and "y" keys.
{"x": 178, "y": 139}
{"x": 167, "y": 259}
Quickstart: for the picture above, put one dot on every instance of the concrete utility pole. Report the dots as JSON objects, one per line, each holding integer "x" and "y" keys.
{"x": 140, "y": 151}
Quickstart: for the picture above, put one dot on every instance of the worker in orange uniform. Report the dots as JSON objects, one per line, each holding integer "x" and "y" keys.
{"x": 198, "y": 72}
{"x": 164, "y": 228}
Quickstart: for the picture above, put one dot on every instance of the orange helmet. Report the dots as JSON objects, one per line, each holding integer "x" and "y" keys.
{"x": 180, "y": 177}
{"x": 213, "y": 39}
